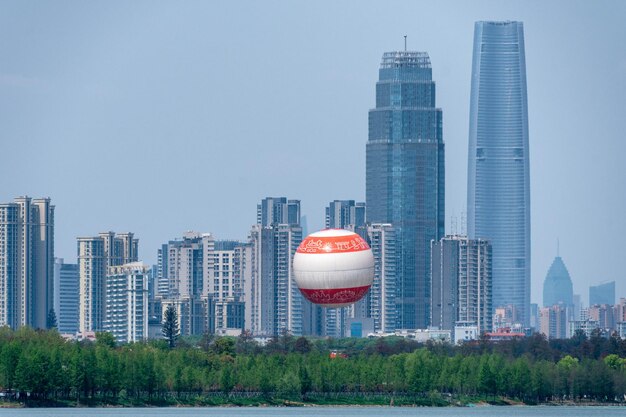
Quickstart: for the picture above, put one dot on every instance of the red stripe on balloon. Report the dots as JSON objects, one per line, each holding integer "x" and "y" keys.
{"x": 335, "y": 295}
{"x": 333, "y": 244}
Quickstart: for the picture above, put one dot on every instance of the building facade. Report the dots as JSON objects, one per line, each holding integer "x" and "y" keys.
{"x": 405, "y": 176}
{"x": 498, "y": 200}
{"x": 126, "y": 305}
{"x": 26, "y": 262}
{"x": 66, "y": 296}
{"x": 95, "y": 255}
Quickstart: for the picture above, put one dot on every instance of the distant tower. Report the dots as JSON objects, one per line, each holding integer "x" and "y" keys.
{"x": 557, "y": 287}
{"x": 498, "y": 189}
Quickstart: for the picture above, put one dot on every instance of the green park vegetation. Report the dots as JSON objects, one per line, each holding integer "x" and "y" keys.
{"x": 41, "y": 368}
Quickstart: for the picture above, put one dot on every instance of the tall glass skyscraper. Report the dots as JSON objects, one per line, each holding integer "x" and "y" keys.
{"x": 498, "y": 189}
{"x": 405, "y": 175}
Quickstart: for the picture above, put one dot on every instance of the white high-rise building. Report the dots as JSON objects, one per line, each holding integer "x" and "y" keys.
{"x": 26, "y": 262}
{"x": 126, "y": 306}
{"x": 95, "y": 255}
{"x": 382, "y": 238}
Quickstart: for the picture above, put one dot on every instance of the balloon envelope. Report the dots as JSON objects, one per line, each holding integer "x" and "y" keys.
{"x": 333, "y": 267}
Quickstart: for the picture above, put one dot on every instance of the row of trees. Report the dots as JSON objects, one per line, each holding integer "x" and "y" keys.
{"x": 44, "y": 365}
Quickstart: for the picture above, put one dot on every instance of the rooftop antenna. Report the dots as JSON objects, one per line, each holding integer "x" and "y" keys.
{"x": 557, "y": 247}
{"x": 404, "y": 43}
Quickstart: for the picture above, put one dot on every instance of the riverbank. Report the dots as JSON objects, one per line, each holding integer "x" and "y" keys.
{"x": 329, "y": 400}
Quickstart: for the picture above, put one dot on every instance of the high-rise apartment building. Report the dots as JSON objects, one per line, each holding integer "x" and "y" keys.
{"x": 602, "y": 294}
{"x": 382, "y": 295}
{"x": 95, "y": 255}
{"x": 226, "y": 304}
{"x": 498, "y": 197}
{"x": 26, "y": 262}
{"x": 405, "y": 175}
{"x": 557, "y": 287}
{"x": 273, "y": 301}
{"x": 189, "y": 272}
{"x": 126, "y": 305}
{"x": 66, "y": 299}
{"x": 461, "y": 283}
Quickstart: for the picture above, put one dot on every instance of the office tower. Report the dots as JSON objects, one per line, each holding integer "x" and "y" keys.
{"x": 274, "y": 303}
{"x": 553, "y": 321}
{"x": 226, "y": 305}
{"x": 578, "y": 305}
{"x": 557, "y": 287}
{"x": 461, "y": 283}
{"x": 66, "y": 290}
{"x": 405, "y": 174}
{"x": 498, "y": 189}
{"x": 26, "y": 262}
{"x": 190, "y": 265}
{"x": 126, "y": 305}
{"x": 382, "y": 295}
{"x": 95, "y": 255}
{"x": 602, "y": 294}
{"x": 342, "y": 214}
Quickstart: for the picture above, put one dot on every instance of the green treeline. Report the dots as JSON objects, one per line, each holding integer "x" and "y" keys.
{"x": 41, "y": 365}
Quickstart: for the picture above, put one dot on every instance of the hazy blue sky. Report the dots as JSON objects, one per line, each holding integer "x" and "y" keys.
{"x": 160, "y": 117}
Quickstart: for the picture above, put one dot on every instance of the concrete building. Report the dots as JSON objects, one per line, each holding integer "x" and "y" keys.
{"x": 461, "y": 283}
{"x": 26, "y": 262}
{"x": 95, "y": 255}
{"x": 126, "y": 305}
{"x": 606, "y": 315}
{"x": 66, "y": 296}
{"x": 226, "y": 307}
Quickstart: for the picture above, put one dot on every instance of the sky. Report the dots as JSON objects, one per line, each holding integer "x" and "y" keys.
{"x": 160, "y": 117}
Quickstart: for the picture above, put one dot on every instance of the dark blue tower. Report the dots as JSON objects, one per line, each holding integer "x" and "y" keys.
{"x": 405, "y": 174}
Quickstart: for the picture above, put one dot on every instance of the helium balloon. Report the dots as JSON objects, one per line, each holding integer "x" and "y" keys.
{"x": 333, "y": 267}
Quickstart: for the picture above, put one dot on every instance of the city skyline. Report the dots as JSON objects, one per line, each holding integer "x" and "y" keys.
{"x": 67, "y": 110}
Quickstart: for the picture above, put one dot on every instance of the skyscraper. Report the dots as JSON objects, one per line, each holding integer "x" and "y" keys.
{"x": 405, "y": 174}
{"x": 26, "y": 262}
{"x": 557, "y": 287}
{"x": 498, "y": 189}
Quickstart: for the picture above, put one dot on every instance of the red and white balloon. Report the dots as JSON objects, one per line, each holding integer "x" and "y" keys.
{"x": 333, "y": 267}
